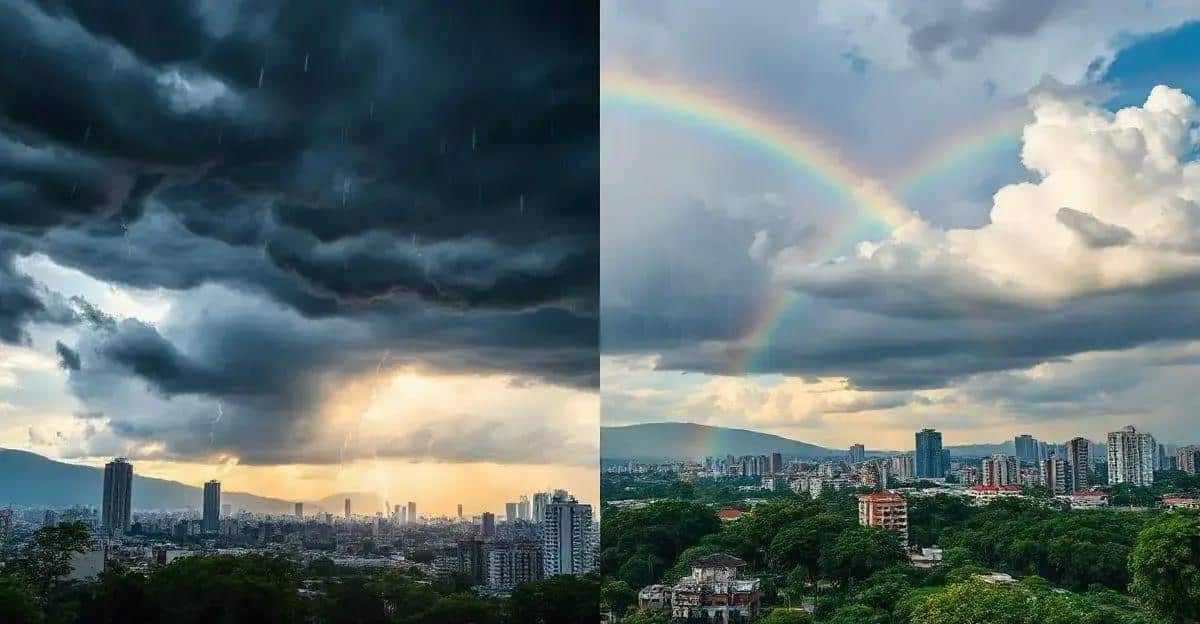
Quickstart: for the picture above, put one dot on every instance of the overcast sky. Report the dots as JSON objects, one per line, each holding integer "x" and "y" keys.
{"x": 303, "y": 246}
{"x": 1043, "y": 274}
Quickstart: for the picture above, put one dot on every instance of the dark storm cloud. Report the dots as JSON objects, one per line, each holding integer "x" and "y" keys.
{"x": 419, "y": 178}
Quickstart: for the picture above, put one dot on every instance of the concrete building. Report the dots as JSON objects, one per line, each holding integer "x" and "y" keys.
{"x": 212, "y": 506}
{"x": 412, "y": 512}
{"x": 903, "y": 468}
{"x": 513, "y": 563}
{"x": 118, "y": 496}
{"x": 568, "y": 542}
{"x": 298, "y": 510}
{"x": 346, "y": 504}
{"x": 1054, "y": 475}
{"x": 984, "y": 494}
{"x": 1026, "y": 448}
{"x": 487, "y": 527}
{"x": 1000, "y": 470}
{"x": 1079, "y": 464}
{"x": 884, "y": 509}
{"x": 713, "y": 592}
{"x": 1187, "y": 458}
{"x": 540, "y": 499}
{"x": 858, "y": 453}
{"x": 1131, "y": 457}
{"x": 776, "y": 463}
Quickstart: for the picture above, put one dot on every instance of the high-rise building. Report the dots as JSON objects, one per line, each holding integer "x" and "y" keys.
{"x": 510, "y": 512}
{"x": 412, "y": 512}
{"x": 539, "y": 505}
{"x": 1025, "y": 447}
{"x": 513, "y": 563}
{"x": 1054, "y": 475}
{"x": 523, "y": 511}
{"x": 118, "y": 496}
{"x": 1001, "y": 470}
{"x": 1079, "y": 464}
{"x": 299, "y": 510}
{"x": 928, "y": 456}
{"x": 858, "y": 453}
{"x": 872, "y": 475}
{"x": 487, "y": 524}
{"x": 212, "y": 507}
{"x": 460, "y": 516}
{"x": 1131, "y": 457}
{"x": 903, "y": 468}
{"x": 397, "y": 514}
{"x": 1187, "y": 458}
{"x": 568, "y": 545}
{"x": 346, "y": 503}
{"x": 884, "y": 509}
{"x": 776, "y": 463}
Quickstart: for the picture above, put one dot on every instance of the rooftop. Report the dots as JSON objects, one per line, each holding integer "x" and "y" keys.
{"x": 881, "y": 497}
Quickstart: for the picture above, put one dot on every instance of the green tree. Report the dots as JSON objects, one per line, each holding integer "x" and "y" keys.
{"x": 17, "y": 602}
{"x": 786, "y": 616}
{"x": 616, "y": 596}
{"x": 1165, "y": 565}
{"x": 800, "y": 544}
{"x": 48, "y": 556}
{"x": 460, "y": 609}
{"x": 647, "y": 616}
{"x": 559, "y": 600}
{"x": 859, "y": 552}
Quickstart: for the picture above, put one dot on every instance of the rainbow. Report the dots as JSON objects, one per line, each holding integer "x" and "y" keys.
{"x": 876, "y": 202}
{"x": 784, "y": 140}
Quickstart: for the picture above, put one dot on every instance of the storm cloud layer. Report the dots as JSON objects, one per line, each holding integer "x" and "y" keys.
{"x": 317, "y": 188}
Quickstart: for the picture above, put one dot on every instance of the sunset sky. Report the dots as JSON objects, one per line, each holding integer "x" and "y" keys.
{"x": 846, "y": 221}
{"x": 303, "y": 248}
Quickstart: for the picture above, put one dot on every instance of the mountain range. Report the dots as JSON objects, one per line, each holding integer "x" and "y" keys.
{"x": 677, "y": 440}
{"x": 30, "y": 480}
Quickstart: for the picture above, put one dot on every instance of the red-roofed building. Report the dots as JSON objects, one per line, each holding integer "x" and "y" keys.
{"x": 984, "y": 494}
{"x": 884, "y": 509}
{"x": 729, "y": 515}
{"x": 1175, "y": 502}
{"x": 1086, "y": 499}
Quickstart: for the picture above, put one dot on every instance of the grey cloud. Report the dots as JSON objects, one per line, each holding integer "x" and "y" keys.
{"x": 68, "y": 358}
{"x": 965, "y": 29}
{"x": 1093, "y": 232}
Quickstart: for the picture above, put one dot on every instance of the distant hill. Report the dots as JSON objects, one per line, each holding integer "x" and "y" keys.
{"x": 679, "y": 440}
{"x": 30, "y": 480}
{"x": 682, "y": 440}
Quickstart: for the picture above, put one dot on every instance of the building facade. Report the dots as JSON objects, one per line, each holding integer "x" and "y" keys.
{"x": 567, "y": 537}
{"x": 928, "y": 456}
{"x": 885, "y": 509}
{"x": 1131, "y": 457}
{"x": 118, "y": 496}
{"x": 1079, "y": 464}
{"x": 212, "y": 507}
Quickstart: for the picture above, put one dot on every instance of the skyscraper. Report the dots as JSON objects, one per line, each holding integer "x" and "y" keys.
{"x": 1131, "y": 457}
{"x": 928, "y": 456}
{"x": 567, "y": 540}
{"x": 347, "y": 505}
{"x": 1187, "y": 459}
{"x": 460, "y": 517}
{"x": 776, "y": 463}
{"x": 510, "y": 512}
{"x": 903, "y": 468}
{"x": 299, "y": 510}
{"x": 1054, "y": 475}
{"x": 858, "y": 453}
{"x": 212, "y": 507}
{"x": 539, "y": 505}
{"x": 412, "y": 512}
{"x": 1079, "y": 464}
{"x": 118, "y": 496}
{"x": 487, "y": 526}
{"x": 523, "y": 511}
{"x": 1025, "y": 447}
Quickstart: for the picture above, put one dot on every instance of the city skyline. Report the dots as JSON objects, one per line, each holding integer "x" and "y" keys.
{"x": 280, "y": 270}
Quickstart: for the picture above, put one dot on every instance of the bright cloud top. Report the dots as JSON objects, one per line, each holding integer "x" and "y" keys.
{"x": 1115, "y": 207}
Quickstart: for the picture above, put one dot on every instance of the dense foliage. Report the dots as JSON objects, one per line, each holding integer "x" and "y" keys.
{"x": 267, "y": 589}
{"x": 1091, "y": 566}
